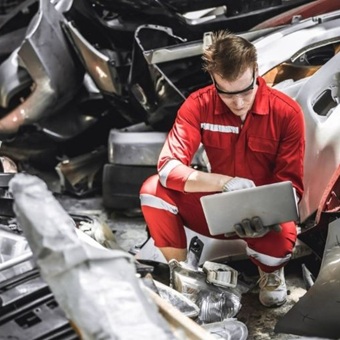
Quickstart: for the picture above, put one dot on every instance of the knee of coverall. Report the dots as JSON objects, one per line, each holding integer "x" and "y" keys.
{"x": 273, "y": 250}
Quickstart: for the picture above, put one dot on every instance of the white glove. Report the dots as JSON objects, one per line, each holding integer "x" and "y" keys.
{"x": 237, "y": 183}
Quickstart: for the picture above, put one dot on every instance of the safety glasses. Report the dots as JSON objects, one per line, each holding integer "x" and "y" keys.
{"x": 249, "y": 88}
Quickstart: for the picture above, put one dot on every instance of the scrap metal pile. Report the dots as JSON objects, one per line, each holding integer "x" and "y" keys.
{"x": 88, "y": 91}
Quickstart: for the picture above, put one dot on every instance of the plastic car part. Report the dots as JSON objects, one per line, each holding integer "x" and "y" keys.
{"x": 308, "y": 277}
{"x": 330, "y": 201}
{"x": 299, "y": 13}
{"x": 317, "y": 312}
{"x": 135, "y": 148}
{"x": 14, "y": 251}
{"x": 7, "y": 165}
{"x": 194, "y": 253}
{"x": 151, "y": 86}
{"x": 133, "y": 155}
{"x": 220, "y": 274}
{"x": 297, "y": 39}
{"x": 322, "y": 156}
{"x": 238, "y": 16}
{"x": 121, "y": 185}
{"x": 37, "y": 318}
{"x": 102, "y": 69}
{"x": 12, "y": 291}
{"x": 328, "y": 210}
{"x": 44, "y": 38}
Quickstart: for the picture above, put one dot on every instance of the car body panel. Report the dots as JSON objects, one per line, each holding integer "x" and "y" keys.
{"x": 314, "y": 8}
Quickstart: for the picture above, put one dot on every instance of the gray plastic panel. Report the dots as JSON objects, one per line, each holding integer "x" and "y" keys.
{"x": 121, "y": 185}
{"x": 135, "y": 148}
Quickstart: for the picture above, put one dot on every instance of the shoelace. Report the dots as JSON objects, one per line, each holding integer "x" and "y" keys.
{"x": 270, "y": 280}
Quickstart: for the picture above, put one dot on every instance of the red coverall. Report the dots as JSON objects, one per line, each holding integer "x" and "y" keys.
{"x": 268, "y": 148}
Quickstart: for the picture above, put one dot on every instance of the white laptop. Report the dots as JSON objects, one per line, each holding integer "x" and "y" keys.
{"x": 273, "y": 203}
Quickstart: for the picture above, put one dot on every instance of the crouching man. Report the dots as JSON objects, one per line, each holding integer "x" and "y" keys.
{"x": 253, "y": 135}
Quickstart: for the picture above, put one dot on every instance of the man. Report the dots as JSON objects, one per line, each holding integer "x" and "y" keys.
{"x": 252, "y": 135}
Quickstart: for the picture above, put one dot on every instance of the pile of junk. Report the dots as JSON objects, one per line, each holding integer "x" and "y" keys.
{"x": 88, "y": 92}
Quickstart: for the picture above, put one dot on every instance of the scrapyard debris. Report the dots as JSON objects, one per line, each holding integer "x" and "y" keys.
{"x": 87, "y": 279}
{"x": 317, "y": 312}
{"x": 99, "y": 231}
{"x": 218, "y": 305}
{"x": 185, "y": 305}
{"x": 194, "y": 253}
{"x": 220, "y": 274}
{"x": 308, "y": 277}
{"x": 80, "y": 175}
{"x": 7, "y": 165}
{"x": 65, "y": 257}
{"x": 231, "y": 329}
{"x": 82, "y": 276}
{"x": 215, "y": 303}
{"x": 322, "y": 117}
{"x": 15, "y": 254}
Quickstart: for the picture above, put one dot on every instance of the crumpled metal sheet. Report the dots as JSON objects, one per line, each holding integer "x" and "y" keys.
{"x": 215, "y": 303}
{"x": 96, "y": 287}
{"x": 317, "y": 312}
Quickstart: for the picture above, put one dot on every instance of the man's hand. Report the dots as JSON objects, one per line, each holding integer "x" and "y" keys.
{"x": 254, "y": 228}
{"x": 237, "y": 183}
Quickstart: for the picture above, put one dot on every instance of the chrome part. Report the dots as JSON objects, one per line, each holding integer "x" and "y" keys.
{"x": 215, "y": 303}
{"x": 231, "y": 329}
{"x": 185, "y": 305}
{"x": 7, "y": 165}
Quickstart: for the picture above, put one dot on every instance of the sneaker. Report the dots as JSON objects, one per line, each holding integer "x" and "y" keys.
{"x": 273, "y": 290}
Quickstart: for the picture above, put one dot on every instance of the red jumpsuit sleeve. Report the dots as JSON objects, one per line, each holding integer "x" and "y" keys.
{"x": 290, "y": 158}
{"x": 180, "y": 146}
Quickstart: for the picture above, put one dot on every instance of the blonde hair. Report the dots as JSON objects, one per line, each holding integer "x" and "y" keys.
{"x": 229, "y": 55}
